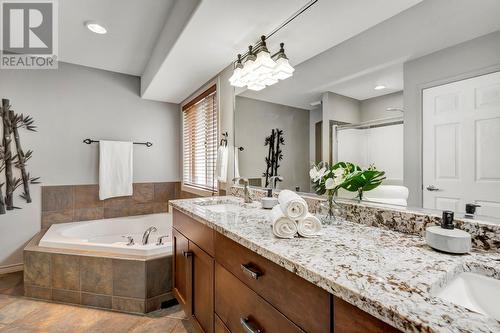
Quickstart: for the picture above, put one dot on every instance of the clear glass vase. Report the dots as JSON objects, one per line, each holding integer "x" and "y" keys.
{"x": 330, "y": 211}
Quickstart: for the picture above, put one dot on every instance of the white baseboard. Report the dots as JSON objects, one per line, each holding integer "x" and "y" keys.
{"x": 11, "y": 268}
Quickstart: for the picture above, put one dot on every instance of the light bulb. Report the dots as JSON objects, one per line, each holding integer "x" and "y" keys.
{"x": 283, "y": 69}
{"x": 264, "y": 64}
{"x": 235, "y": 79}
{"x": 268, "y": 79}
{"x": 256, "y": 86}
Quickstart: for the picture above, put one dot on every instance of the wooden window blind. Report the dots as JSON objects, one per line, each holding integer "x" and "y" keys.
{"x": 199, "y": 143}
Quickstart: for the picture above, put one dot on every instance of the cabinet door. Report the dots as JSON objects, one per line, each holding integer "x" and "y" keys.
{"x": 182, "y": 265}
{"x": 202, "y": 289}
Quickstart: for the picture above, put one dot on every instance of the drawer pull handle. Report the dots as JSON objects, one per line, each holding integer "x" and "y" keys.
{"x": 248, "y": 327}
{"x": 187, "y": 254}
{"x": 250, "y": 271}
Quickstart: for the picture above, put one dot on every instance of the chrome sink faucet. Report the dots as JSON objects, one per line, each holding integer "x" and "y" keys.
{"x": 273, "y": 180}
{"x": 145, "y": 236}
{"x": 246, "y": 192}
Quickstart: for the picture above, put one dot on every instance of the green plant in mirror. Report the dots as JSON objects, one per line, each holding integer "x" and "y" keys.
{"x": 364, "y": 180}
{"x": 328, "y": 179}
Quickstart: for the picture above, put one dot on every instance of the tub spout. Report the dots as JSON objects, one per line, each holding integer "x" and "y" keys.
{"x": 145, "y": 236}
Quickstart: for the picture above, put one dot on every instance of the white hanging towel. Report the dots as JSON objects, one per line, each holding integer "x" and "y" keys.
{"x": 292, "y": 205}
{"x": 221, "y": 167}
{"x": 309, "y": 226}
{"x": 115, "y": 169}
{"x": 236, "y": 163}
{"x": 283, "y": 227}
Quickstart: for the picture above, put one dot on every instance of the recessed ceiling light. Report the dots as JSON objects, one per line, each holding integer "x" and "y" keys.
{"x": 95, "y": 27}
{"x": 379, "y": 87}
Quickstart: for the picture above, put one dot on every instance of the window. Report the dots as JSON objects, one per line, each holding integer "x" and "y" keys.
{"x": 199, "y": 141}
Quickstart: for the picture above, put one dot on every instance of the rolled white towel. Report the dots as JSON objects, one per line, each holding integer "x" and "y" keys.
{"x": 309, "y": 226}
{"x": 283, "y": 227}
{"x": 292, "y": 205}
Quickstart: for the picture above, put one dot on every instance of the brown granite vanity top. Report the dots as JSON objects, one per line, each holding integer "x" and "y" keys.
{"x": 385, "y": 273}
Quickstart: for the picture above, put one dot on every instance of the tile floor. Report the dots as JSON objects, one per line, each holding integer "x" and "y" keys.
{"x": 22, "y": 315}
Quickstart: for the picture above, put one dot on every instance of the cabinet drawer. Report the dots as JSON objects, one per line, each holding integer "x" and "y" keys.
{"x": 302, "y": 302}
{"x": 238, "y": 306}
{"x": 196, "y": 232}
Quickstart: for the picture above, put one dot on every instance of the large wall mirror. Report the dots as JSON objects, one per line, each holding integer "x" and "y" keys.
{"x": 427, "y": 115}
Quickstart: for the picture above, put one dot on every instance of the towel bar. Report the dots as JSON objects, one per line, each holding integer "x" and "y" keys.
{"x": 147, "y": 144}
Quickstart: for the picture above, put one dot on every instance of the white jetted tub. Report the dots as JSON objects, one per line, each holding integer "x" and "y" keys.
{"x": 107, "y": 235}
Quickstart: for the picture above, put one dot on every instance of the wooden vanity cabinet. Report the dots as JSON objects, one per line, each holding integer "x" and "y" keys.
{"x": 226, "y": 288}
{"x": 180, "y": 259}
{"x": 194, "y": 270}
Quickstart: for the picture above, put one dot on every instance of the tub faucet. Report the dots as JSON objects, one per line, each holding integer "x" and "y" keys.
{"x": 145, "y": 236}
{"x": 246, "y": 192}
{"x": 130, "y": 240}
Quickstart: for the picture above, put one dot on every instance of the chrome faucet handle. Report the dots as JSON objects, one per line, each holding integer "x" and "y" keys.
{"x": 273, "y": 179}
{"x": 160, "y": 240}
{"x": 130, "y": 240}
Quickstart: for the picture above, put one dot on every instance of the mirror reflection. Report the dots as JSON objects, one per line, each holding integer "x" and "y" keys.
{"x": 432, "y": 130}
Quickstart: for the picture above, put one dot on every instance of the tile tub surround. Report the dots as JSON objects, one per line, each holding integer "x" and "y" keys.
{"x": 70, "y": 203}
{"x": 130, "y": 283}
{"x": 385, "y": 273}
{"x": 485, "y": 235}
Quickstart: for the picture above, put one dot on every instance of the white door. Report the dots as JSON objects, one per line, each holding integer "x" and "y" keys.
{"x": 461, "y": 145}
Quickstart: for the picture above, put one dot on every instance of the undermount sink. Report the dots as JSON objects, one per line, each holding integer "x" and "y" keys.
{"x": 475, "y": 292}
{"x": 226, "y": 206}
{"x": 223, "y": 208}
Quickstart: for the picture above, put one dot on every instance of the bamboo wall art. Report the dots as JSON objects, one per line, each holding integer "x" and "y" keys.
{"x": 13, "y": 159}
{"x": 275, "y": 141}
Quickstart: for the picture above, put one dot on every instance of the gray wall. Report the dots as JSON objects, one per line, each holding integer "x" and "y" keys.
{"x": 375, "y": 108}
{"x": 254, "y": 120}
{"x": 315, "y": 116}
{"x": 73, "y": 103}
{"x": 476, "y": 57}
{"x": 338, "y": 108}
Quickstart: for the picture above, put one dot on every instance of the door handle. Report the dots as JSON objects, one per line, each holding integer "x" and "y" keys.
{"x": 251, "y": 271}
{"x": 248, "y": 327}
{"x": 432, "y": 188}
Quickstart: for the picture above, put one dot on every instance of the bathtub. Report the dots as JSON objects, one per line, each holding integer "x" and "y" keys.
{"x": 106, "y": 235}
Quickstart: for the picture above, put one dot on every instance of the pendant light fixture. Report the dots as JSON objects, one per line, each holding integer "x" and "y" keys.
{"x": 259, "y": 69}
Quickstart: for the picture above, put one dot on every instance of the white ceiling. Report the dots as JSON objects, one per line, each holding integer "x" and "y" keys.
{"x": 377, "y": 55}
{"x": 361, "y": 86}
{"x": 343, "y": 46}
{"x": 206, "y": 46}
{"x": 215, "y": 33}
{"x": 133, "y": 28}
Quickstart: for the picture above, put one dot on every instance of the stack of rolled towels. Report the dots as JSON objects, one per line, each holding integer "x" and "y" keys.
{"x": 291, "y": 217}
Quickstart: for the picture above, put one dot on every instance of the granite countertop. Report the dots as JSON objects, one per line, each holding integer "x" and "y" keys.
{"x": 388, "y": 274}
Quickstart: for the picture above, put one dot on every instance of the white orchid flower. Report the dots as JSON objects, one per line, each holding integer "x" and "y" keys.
{"x": 313, "y": 173}
{"x": 330, "y": 184}
{"x": 339, "y": 172}
{"x": 321, "y": 172}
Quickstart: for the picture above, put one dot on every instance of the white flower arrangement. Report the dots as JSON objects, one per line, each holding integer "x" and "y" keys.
{"x": 329, "y": 179}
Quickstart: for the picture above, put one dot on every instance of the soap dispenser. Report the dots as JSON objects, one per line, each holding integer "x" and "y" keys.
{"x": 470, "y": 210}
{"x": 446, "y": 238}
{"x": 268, "y": 202}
